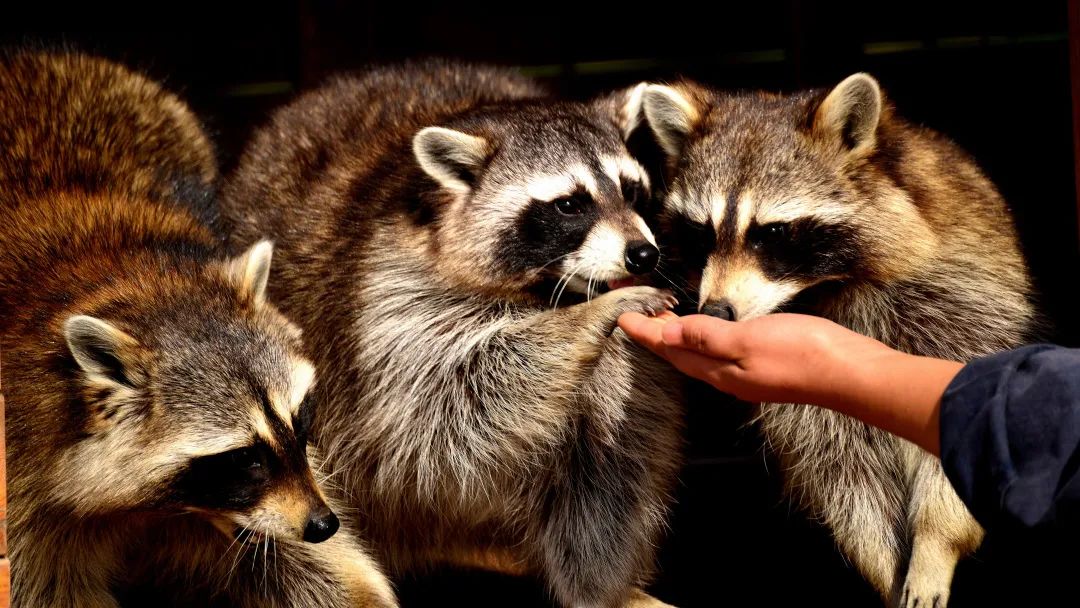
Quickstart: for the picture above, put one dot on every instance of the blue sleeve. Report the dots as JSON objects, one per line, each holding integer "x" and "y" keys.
{"x": 1010, "y": 437}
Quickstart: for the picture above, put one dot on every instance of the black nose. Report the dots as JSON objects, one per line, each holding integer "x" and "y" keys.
{"x": 321, "y": 525}
{"x": 720, "y": 309}
{"x": 641, "y": 257}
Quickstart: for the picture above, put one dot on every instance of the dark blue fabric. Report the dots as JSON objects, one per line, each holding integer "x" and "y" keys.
{"x": 1010, "y": 437}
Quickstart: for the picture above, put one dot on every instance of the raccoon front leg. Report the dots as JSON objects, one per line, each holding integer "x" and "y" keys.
{"x": 608, "y": 506}
{"x": 640, "y": 599}
{"x": 850, "y": 477}
{"x": 592, "y": 546}
{"x": 336, "y": 573}
{"x": 942, "y": 532}
{"x": 56, "y": 566}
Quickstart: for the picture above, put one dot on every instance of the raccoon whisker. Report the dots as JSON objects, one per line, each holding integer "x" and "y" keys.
{"x": 266, "y": 557}
{"x": 566, "y": 281}
{"x": 255, "y": 555}
{"x": 557, "y": 285}
{"x": 550, "y": 262}
{"x": 226, "y": 552}
{"x": 678, "y": 281}
{"x": 566, "y": 278}
{"x": 240, "y": 550}
{"x": 328, "y": 476}
{"x": 673, "y": 284}
{"x": 273, "y": 535}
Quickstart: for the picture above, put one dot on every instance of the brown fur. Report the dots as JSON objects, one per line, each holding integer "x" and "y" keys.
{"x": 887, "y": 228}
{"x": 98, "y": 170}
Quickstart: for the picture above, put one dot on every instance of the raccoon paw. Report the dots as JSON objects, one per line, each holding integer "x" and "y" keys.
{"x": 646, "y": 300}
{"x": 914, "y": 597}
{"x": 640, "y": 599}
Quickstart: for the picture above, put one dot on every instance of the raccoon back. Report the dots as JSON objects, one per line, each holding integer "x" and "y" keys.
{"x": 71, "y": 121}
{"x": 360, "y": 126}
{"x": 99, "y": 171}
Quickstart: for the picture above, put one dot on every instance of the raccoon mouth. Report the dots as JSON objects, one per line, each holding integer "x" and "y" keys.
{"x": 598, "y": 287}
{"x": 627, "y": 282}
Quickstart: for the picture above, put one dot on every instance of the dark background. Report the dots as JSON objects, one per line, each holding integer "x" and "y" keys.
{"x": 995, "y": 78}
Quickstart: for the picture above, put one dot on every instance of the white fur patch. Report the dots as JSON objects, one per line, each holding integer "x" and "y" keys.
{"x": 550, "y": 187}
{"x": 617, "y": 167}
{"x": 585, "y": 177}
{"x": 302, "y": 377}
{"x": 744, "y": 212}
{"x": 717, "y": 211}
{"x": 611, "y": 167}
{"x": 600, "y": 258}
{"x": 644, "y": 228}
{"x": 800, "y": 208}
{"x": 262, "y": 425}
{"x": 604, "y": 249}
{"x": 123, "y": 467}
{"x": 682, "y": 204}
{"x": 748, "y": 291}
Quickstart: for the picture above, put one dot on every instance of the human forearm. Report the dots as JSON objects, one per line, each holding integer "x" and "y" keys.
{"x": 896, "y": 392}
{"x": 800, "y": 359}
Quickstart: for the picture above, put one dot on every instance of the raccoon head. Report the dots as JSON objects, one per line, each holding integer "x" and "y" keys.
{"x": 533, "y": 194}
{"x": 772, "y": 195}
{"x": 196, "y": 401}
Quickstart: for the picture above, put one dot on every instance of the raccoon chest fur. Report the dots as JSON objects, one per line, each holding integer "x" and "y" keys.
{"x": 432, "y": 258}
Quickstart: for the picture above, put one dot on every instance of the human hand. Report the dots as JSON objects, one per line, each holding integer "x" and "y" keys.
{"x": 780, "y": 357}
{"x": 788, "y": 358}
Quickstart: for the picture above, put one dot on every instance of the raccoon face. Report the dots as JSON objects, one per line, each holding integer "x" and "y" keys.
{"x": 200, "y": 404}
{"x": 772, "y": 195}
{"x": 541, "y": 193}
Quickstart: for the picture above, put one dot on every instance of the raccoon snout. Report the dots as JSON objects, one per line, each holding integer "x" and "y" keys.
{"x": 641, "y": 257}
{"x": 721, "y": 309}
{"x": 321, "y": 525}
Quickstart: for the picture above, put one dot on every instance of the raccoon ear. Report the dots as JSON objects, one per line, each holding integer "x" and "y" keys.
{"x": 671, "y": 115}
{"x": 105, "y": 353}
{"x": 452, "y": 158}
{"x": 251, "y": 270}
{"x": 625, "y": 107}
{"x": 851, "y": 111}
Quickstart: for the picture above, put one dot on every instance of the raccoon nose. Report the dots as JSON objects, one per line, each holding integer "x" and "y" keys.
{"x": 720, "y": 309}
{"x": 641, "y": 257}
{"x": 321, "y": 525}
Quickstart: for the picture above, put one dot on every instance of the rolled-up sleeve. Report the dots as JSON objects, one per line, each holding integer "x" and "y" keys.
{"x": 1010, "y": 436}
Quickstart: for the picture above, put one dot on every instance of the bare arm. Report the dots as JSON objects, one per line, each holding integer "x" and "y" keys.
{"x": 803, "y": 359}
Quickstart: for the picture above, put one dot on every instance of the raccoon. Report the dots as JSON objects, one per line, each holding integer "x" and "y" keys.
{"x": 457, "y": 248}
{"x": 157, "y": 405}
{"x": 827, "y": 202}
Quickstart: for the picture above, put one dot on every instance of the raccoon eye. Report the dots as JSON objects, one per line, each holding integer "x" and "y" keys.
{"x": 769, "y": 234}
{"x": 245, "y": 458}
{"x": 570, "y": 206}
{"x": 631, "y": 192}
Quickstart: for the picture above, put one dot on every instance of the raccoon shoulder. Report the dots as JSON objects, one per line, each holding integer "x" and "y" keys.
{"x": 935, "y": 170}
{"x": 72, "y": 121}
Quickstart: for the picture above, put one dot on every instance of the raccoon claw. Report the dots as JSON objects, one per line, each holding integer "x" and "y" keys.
{"x": 917, "y": 600}
{"x": 646, "y": 300}
{"x": 668, "y": 302}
